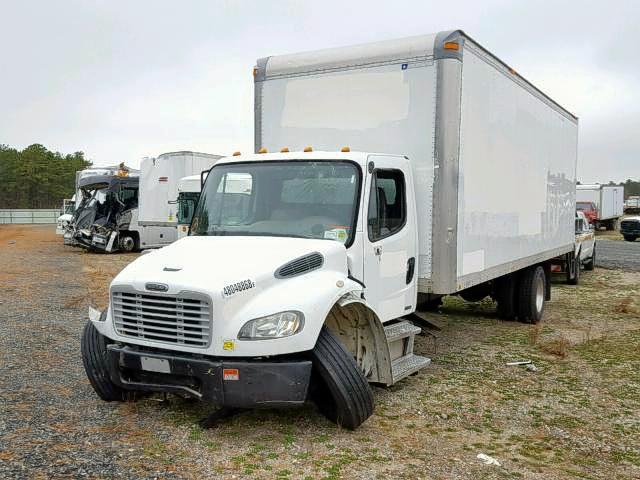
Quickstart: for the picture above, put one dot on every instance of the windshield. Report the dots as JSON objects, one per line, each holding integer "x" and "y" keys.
{"x": 307, "y": 199}
{"x": 186, "y": 205}
{"x": 584, "y": 205}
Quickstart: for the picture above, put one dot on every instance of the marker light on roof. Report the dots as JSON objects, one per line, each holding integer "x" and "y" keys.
{"x": 236, "y": 154}
{"x": 263, "y": 150}
{"x": 284, "y": 150}
{"x": 345, "y": 149}
{"x": 308, "y": 149}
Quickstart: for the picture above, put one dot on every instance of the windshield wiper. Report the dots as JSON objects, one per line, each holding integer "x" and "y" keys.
{"x": 246, "y": 233}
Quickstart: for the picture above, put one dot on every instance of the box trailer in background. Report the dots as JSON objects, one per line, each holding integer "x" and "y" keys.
{"x": 305, "y": 267}
{"x": 159, "y": 177}
{"x": 608, "y": 201}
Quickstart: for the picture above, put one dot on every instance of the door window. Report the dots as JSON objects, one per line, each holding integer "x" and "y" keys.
{"x": 387, "y": 204}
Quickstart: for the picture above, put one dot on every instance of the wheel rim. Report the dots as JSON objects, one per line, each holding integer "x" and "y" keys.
{"x": 127, "y": 244}
{"x": 539, "y": 294}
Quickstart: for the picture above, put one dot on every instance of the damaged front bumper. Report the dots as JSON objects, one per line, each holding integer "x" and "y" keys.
{"x": 91, "y": 240}
{"x": 229, "y": 383}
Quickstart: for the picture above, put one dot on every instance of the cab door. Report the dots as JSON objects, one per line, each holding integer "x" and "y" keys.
{"x": 390, "y": 237}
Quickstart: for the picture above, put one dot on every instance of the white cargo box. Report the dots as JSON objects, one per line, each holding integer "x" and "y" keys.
{"x": 159, "y": 179}
{"x": 494, "y": 158}
{"x": 609, "y": 199}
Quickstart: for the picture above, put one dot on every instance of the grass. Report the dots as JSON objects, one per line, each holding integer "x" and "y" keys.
{"x": 551, "y": 423}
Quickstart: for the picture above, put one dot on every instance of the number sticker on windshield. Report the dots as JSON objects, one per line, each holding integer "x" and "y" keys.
{"x": 238, "y": 287}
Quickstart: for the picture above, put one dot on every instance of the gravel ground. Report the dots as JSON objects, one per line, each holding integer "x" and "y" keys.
{"x": 576, "y": 416}
{"x": 618, "y": 254}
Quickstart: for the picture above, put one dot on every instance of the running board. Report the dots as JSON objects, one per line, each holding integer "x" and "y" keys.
{"x": 400, "y": 340}
{"x": 407, "y": 365}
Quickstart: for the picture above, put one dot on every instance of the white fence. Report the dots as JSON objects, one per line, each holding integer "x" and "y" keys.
{"x": 39, "y": 215}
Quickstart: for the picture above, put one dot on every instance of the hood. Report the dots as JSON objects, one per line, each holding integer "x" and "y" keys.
{"x": 209, "y": 264}
{"x": 635, "y": 218}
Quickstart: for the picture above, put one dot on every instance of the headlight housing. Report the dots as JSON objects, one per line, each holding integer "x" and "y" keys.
{"x": 278, "y": 325}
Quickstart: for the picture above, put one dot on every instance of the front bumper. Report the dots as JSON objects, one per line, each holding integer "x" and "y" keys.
{"x": 630, "y": 229}
{"x": 229, "y": 383}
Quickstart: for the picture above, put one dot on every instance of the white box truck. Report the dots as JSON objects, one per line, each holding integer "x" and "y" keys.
{"x": 302, "y": 286}
{"x": 159, "y": 177}
{"x": 602, "y": 204}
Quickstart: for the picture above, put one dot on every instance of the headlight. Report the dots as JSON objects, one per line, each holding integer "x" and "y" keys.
{"x": 278, "y": 325}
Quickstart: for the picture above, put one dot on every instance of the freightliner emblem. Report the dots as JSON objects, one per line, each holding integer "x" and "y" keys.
{"x": 157, "y": 287}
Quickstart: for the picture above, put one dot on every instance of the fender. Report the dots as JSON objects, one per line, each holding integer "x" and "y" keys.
{"x": 352, "y": 320}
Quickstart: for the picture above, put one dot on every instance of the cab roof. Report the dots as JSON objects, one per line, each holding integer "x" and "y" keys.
{"x": 358, "y": 157}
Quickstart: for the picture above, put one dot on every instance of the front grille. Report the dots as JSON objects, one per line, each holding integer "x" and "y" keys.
{"x": 629, "y": 225}
{"x": 300, "y": 265}
{"x": 183, "y": 319}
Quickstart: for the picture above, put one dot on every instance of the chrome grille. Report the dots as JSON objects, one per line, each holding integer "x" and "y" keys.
{"x": 183, "y": 319}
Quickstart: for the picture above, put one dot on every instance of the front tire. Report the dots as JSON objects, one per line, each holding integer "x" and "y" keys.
{"x": 573, "y": 263}
{"x": 93, "y": 346}
{"x": 590, "y": 265}
{"x": 531, "y": 295}
{"x": 341, "y": 391}
{"x": 128, "y": 242}
{"x": 629, "y": 238}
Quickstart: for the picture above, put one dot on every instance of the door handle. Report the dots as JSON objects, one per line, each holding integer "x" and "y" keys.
{"x": 377, "y": 251}
{"x": 411, "y": 268}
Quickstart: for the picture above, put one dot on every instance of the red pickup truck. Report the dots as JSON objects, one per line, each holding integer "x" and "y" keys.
{"x": 589, "y": 209}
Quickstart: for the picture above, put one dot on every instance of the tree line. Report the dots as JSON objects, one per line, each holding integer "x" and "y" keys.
{"x": 37, "y": 177}
{"x": 631, "y": 187}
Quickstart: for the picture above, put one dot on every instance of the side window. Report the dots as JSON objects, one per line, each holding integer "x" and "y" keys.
{"x": 387, "y": 204}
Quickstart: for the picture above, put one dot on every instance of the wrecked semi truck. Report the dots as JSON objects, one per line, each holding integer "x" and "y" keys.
{"x": 159, "y": 180}
{"x": 106, "y": 217}
{"x": 303, "y": 286}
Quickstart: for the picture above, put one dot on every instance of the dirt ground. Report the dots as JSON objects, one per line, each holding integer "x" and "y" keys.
{"x": 576, "y": 416}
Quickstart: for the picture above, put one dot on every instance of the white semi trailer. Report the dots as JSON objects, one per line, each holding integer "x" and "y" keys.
{"x": 159, "y": 178}
{"x": 303, "y": 285}
{"x": 608, "y": 201}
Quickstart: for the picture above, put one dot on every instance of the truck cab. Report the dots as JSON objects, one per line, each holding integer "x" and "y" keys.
{"x": 589, "y": 210}
{"x": 268, "y": 230}
{"x": 66, "y": 215}
{"x": 188, "y": 194}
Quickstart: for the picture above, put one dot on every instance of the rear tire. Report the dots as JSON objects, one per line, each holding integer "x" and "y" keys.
{"x": 531, "y": 294}
{"x": 506, "y": 297}
{"x": 629, "y": 238}
{"x": 590, "y": 265}
{"x": 341, "y": 391}
{"x": 93, "y": 346}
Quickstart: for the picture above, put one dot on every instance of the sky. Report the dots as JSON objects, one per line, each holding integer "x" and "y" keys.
{"x": 120, "y": 80}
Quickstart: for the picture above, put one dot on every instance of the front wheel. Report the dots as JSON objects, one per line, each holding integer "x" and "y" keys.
{"x": 128, "y": 242}
{"x": 629, "y": 238}
{"x": 93, "y": 346}
{"x": 591, "y": 263}
{"x": 531, "y": 294}
{"x": 340, "y": 389}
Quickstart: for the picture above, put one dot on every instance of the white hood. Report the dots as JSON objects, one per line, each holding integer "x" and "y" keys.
{"x": 208, "y": 264}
